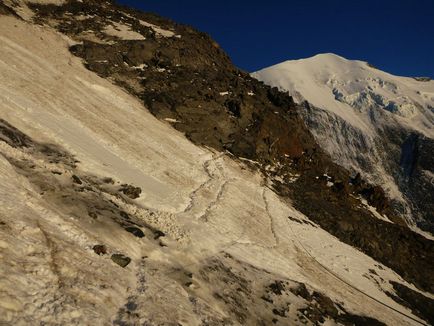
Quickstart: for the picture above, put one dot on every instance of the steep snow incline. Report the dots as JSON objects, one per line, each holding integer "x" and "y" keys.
{"x": 86, "y": 115}
{"x": 363, "y": 118}
{"x": 210, "y": 212}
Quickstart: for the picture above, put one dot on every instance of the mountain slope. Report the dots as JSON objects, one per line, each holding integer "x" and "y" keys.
{"x": 204, "y": 239}
{"x": 371, "y": 122}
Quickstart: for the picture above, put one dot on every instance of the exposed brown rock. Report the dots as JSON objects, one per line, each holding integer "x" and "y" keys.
{"x": 100, "y": 249}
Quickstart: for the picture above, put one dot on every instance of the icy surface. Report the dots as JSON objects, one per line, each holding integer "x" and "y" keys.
{"x": 205, "y": 203}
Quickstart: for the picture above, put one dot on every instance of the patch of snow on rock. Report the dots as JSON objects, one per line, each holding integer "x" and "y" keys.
{"x": 123, "y": 32}
{"x": 158, "y": 30}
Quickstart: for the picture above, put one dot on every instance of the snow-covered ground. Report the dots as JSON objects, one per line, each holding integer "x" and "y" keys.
{"x": 207, "y": 205}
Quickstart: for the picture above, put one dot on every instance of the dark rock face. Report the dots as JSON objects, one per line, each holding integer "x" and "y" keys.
{"x": 419, "y": 184}
{"x": 190, "y": 79}
{"x": 396, "y": 154}
{"x": 409, "y": 154}
{"x": 412, "y": 165}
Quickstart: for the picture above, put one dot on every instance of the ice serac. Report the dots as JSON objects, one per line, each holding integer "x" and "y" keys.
{"x": 371, "y": 122}
{"x": 109, "y": 215}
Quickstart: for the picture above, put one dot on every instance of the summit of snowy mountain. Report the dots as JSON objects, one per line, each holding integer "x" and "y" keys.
{"x": 336, "y": 84}
{"x": 370, "y": 121}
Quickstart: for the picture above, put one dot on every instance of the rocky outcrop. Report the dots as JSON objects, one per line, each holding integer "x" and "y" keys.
{"x": 13, "y": 136}
{"x": 419, "y": 304}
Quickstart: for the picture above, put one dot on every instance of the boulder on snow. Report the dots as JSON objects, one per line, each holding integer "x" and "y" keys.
{"x": 131, "y": 191}
{"x": 135, "y": 230}
{"x": 121, "y": 260}
{"x": 76, "y": 179}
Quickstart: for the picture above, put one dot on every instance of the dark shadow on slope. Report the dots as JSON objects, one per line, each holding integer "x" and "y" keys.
{"x": 419, "y": 304}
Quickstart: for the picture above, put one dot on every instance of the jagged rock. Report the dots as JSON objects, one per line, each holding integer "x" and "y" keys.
{"x": 277, "y": 287}
{"x": 121, "y": 260}
{"x": 131, "y": 191}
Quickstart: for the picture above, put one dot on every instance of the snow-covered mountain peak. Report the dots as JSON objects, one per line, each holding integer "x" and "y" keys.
{"x": 364, "y": 118}
{"x": 352, "y": 89}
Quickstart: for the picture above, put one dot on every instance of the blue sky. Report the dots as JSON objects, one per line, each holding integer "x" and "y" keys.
{"x": 396, "y": 36}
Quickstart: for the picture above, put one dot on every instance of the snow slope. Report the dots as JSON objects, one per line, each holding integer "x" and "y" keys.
{"x": 207, "y": 205}
{"x": 356, "y": 111}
